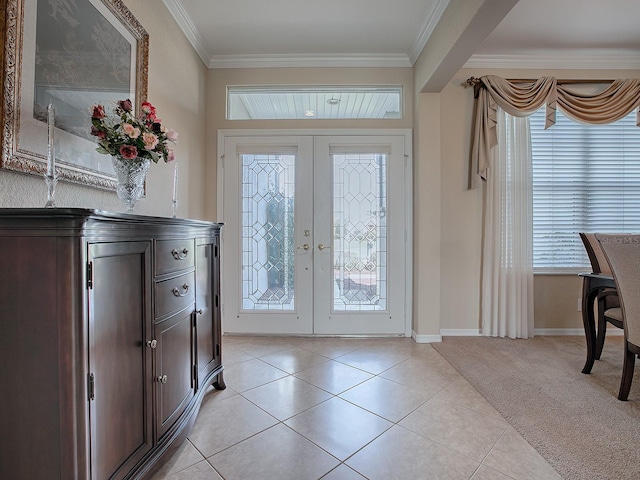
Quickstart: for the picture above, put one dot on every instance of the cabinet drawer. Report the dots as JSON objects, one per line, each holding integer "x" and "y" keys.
{"x": 175, "y": 293}
{"x": 172, "y": 255}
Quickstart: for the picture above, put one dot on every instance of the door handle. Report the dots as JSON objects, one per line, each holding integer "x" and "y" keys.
{"x": 322, "y": 246}
{"x": 304, "y": 247}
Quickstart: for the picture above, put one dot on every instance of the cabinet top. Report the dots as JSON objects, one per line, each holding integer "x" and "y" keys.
{"x": 84, "y": 221}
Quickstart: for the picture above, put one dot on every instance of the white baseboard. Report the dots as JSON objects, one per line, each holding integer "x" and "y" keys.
{"x": 425, "y": 338}
{"x": 558, "y": 332}
{"x": 571, "y": 331}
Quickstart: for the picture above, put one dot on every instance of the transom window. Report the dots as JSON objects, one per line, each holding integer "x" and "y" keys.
{"x": 313, "y": 102}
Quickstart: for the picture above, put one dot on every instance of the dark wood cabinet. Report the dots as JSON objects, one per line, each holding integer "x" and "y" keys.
{"x": 109, "y": 336}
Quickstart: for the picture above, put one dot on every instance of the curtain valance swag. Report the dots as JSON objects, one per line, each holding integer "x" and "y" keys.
{"x": 521, "y": 99}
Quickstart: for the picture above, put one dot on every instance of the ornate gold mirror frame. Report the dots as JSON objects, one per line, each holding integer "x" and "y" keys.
{"x": 72, "y": 55}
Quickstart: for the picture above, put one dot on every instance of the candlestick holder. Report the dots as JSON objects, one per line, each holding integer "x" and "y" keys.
{"x": 174, "y": 201}
{"x": 174, "y": 206}
{"x": 51, "y": 181}
{"x": 50, "y": 176}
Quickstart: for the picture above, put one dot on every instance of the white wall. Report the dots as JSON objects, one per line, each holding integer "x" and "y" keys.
{"x": 177, "y": 88}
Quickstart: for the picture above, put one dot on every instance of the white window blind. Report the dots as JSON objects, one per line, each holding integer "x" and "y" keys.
{"x": 586, "y": 178}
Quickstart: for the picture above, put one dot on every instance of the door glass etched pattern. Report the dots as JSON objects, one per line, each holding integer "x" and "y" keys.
{"x": 267, "y": 232}
{"x": 360, "y": 232}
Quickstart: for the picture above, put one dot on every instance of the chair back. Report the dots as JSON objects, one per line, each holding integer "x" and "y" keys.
{"x": 598, "y": 261}
{"x": 622, "y": 252}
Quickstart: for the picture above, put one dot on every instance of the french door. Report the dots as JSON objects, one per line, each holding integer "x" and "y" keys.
{"x": 315, "y": 235}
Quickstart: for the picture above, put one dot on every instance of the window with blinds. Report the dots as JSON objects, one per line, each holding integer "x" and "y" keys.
{"x": 586, "y": 178}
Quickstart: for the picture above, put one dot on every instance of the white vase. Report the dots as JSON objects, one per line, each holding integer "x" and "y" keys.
{"x": 130, "y": 175}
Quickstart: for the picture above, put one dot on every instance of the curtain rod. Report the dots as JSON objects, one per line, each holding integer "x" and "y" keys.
{"x": 475, "y": 82}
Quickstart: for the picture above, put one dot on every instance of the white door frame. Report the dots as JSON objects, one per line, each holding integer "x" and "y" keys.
{"x": 408, "y": 182}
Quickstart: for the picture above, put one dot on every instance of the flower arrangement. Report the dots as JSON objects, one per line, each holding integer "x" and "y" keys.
{"x": 132, "y": 137}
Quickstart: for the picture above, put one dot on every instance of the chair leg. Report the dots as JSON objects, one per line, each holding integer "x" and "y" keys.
{"x": 627, "y": 372}
{"x": 602, "y": 330}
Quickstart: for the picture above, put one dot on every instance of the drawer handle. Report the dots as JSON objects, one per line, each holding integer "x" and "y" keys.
{"x": 162, "y": 379}
{"x": 180, "y": 255}
{"x": 177, "y": 292}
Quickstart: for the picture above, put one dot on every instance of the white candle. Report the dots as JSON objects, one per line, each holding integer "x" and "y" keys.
{"x": 51, "y": 154}
{"x": 175, "y": 183}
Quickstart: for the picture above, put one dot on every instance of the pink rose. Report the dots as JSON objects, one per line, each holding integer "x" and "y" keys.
{"x": 148, "y": 109}
{"x": 129, "y": 152}
{"x": 98, "y": 112}
{"x": 172, "y": 135}
{"x": 130, "y": 130}
{"x": 171, "y": 155}
{"x": 150, "y": 140}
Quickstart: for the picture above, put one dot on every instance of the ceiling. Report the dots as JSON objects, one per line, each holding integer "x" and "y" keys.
{"x": 553, "y": 33}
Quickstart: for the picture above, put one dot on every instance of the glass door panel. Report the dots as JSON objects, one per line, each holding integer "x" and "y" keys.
{"x": 359, "y": 232}
{"x": 268, "y": 205}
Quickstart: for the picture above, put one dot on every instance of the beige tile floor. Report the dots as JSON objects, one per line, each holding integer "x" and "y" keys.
{"x": 342, "y": 409}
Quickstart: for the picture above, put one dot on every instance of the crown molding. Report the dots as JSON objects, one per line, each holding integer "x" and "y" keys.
{"x": 570, "y": 62}
{"x": 427, "y": 29}
{"x": 187, "y": 27}
{"x": 319, "y": 60}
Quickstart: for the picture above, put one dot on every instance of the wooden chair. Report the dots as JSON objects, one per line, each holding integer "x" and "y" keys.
{"x": 623, "y": 255}
{"x": 608, "y": 298}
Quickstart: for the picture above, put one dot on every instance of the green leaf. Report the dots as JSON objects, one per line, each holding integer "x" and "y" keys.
{"x": 154, "y": 156}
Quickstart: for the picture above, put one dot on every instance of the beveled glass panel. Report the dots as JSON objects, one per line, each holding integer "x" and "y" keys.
{"x": 359, "y": 232}
{"x": 268, "y": 252}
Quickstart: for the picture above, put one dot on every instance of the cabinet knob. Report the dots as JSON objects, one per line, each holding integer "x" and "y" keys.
{"x": 152, "y": 343}
{"x": 162, "y": 379}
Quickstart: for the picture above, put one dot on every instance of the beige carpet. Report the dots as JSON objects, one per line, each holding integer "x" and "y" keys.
{"x": 574, "y": 420}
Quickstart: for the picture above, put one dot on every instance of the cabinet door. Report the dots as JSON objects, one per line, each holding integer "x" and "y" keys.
{"x": 174, "y": 368}
{"x": 119, "y": 301}
{"x": 207, "y": 300}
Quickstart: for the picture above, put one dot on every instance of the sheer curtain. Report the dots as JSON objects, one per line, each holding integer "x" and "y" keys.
{"x": 507, "y": 270}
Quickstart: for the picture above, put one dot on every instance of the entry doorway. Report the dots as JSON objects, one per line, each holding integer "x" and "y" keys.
{"x": 316, "y": 235}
